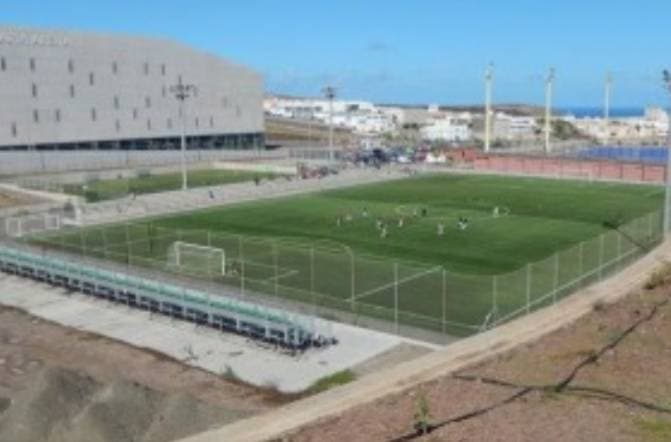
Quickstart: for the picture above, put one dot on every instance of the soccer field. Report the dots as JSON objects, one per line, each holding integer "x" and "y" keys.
{"x": 116, "y": 188}
{"x": 396, "y": 250}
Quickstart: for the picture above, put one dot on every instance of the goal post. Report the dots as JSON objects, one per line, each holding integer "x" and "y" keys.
{"x": 196, "y": 259}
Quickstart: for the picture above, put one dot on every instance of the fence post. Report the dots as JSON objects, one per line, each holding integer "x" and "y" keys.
{"x": 650, "y": 238}
{"x": 277, "y": 275}
{"x": 242, "y": 265}
{"x": 555, "y": 281}
{"x": 312, "y": 277}
{"x": 495, "y": 292}
{"x": 601, "y": 245}
{"x": 82, "y": 241}
{"x": 209, "y": 238}
{"x": 352, "y": 280}
{"x": 396, "y": 297}
{"x": 619, "y": 249}
{"x": 104, "y": 235}
{"x": 528, "y": 288}
{"x": 581, "y": 262}
{"x": 444, "y": 306}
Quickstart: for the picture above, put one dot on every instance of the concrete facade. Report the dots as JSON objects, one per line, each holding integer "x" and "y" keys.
{"x": 74, "y": 90}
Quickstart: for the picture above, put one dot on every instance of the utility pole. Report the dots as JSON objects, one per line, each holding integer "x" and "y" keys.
{"x": 608, "y": 88}
{"x": 666, "y": 75}
{"x": 489, "y": 78}
{"x": 606, "y": 106}
{"x": 181, "y": 92}
{"x": 548, "y": 108}
{"x": 330, "y": 94}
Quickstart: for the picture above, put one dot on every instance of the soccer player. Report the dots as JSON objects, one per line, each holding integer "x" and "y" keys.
{"x": 338, "y": 221}
{"x": 495, "y": 212}
{"x": 441, "y": 229}
{"x": 383, "y": 232}
{"x": 401, "y": 222}
{"x": 364, "y": 213}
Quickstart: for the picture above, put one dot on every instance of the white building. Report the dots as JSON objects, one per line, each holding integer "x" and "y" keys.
{"x": 447, "y": 129}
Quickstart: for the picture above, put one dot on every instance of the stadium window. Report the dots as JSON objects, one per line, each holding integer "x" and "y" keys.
{"x": 238, "y": 111}
{"x": 34, "y": 90}
{"x": 115, "y": 68}
{"x": 57, "y": 115}
{"x": 32, "y": 65}
{"x": 117, "y": 125}
{"x": 211, "y": 121}
{"x": 116, "y": 102}
{"x": 91, "y": 78}
{"x": 169, "y": 123}
{"x": 36, "y": 116}
{"x": 135, "y": 113}
{"x": 149, "y": 124}
{"x": 94, "y": 114}
{"x": 147, "y": 101}
{"x": 163, "y": 91}
{"x": 163, "y": 70}
{"x": 179, "y": 79}
{"x": 180, "y": 112}
{"x": 197, "y": 122}
{"x": 15, "y": 131}
{"x": 71, "y": 66}
{"x": 3, "y": 64}
{"x": 72, "y": 91}
{"x": 146, "y": 68}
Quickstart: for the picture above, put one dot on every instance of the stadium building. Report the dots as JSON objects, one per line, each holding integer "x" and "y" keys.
{"x": 84, "y": 91}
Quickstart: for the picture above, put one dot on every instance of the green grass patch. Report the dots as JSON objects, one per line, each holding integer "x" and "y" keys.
{"x": 332, "y": 381}
{"x": 654, "y": 430}
{"x": 148, "y": 183}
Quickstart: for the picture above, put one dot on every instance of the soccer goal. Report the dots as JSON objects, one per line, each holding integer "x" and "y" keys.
{"x": 196, "y": 259}
{"x": 19, "y": 226}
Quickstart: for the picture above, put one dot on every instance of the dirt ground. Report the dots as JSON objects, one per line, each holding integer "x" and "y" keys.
{"x": 59, "y": 384}
{"x": 7, "y": 200}
{"x": 605, "y": 378}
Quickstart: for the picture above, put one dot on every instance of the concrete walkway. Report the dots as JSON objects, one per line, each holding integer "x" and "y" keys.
{"x": 453, "y": 358}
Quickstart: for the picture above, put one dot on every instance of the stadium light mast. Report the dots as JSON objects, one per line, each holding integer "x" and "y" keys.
{"x": 181, "y": 92}
{"x": 330, "y": 94}
{"x": 549, "y": 82}
{"x": 489, "y": 79}
{"x": 666, "y": 75}
{"x": 608, "y": 86}
{"x": 607, "y": 91}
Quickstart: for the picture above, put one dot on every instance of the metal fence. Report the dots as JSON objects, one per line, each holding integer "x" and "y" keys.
{"x": 333, "y": 281}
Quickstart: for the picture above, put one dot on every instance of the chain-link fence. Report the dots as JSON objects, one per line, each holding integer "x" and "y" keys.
{"x": 335, "y": 282}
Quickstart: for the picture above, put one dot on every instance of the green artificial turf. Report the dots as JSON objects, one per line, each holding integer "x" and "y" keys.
{"x": 116, "y": 188}
{"x": 548, "y": 240}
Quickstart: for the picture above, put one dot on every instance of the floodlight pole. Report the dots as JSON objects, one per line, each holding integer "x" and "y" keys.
{"x": 548, "y": 108}
{"x": 667, "y": 196}
{"x": 489, "y": 77}
{"x": 181, "y": 92}
{"x": 330, "y": 94}
{"x": 606, "y": 104}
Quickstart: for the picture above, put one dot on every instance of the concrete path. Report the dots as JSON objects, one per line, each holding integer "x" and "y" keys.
{"x": 455, "y": 357}
{"x": 263, "y": 366}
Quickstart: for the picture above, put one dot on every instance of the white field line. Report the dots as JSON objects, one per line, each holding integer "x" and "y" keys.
{"x": 394, "y": 283}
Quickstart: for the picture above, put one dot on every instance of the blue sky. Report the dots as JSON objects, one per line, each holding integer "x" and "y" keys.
{"x": 411, "y": 51}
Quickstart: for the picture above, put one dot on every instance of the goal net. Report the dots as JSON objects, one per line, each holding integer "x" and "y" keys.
{"x": 19, "y": 226}
{"x": 196, "y": 259}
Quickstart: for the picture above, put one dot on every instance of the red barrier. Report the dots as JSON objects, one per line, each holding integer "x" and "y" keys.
{"x": 568, "y": 167}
